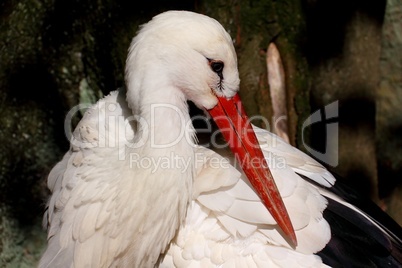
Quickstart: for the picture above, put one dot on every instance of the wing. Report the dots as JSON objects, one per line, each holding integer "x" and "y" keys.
{"x": 300, "y": 162}
{"x": 362, "y": 234}
{"x": 82, "y": 195}
{"x": 228, "y": 225}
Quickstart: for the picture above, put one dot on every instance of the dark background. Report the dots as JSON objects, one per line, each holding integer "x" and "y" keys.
{"x": 57, "y": 54}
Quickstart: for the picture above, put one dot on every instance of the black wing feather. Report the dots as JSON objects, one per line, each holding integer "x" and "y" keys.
{"x": 355, "y": 240}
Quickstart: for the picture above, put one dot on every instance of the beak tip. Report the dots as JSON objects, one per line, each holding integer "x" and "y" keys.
{"x": 293, "y": 239}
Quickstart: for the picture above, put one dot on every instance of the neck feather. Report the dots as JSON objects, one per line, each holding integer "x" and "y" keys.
{"x": 163, "y": 123}
{"x": 165, "y": 165}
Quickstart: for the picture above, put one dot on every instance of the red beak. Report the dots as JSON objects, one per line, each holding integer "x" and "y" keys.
{"x": 231, "y": 118}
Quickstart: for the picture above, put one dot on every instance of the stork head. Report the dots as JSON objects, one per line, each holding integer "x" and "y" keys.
{"x": 194, "y": 54}
{"x": 190, "y": 51}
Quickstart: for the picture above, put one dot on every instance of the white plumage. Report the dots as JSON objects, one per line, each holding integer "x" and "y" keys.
{"x": 226, "y": 222}
{"x": 108, "y": 211}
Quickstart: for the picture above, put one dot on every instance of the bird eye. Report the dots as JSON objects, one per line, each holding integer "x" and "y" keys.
{"x": 217, "y": 66}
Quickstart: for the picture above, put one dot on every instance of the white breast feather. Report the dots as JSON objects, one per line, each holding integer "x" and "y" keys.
{"x": 89, "y": 215}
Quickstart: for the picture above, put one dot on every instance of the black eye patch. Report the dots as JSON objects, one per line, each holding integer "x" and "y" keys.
{"x": 217, "y": 67}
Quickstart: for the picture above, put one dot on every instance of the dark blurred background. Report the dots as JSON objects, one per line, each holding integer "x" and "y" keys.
{"x": 55, "y": 54}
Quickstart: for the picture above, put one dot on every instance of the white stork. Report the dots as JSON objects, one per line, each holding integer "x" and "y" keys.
{"x": 135, "y": 191}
